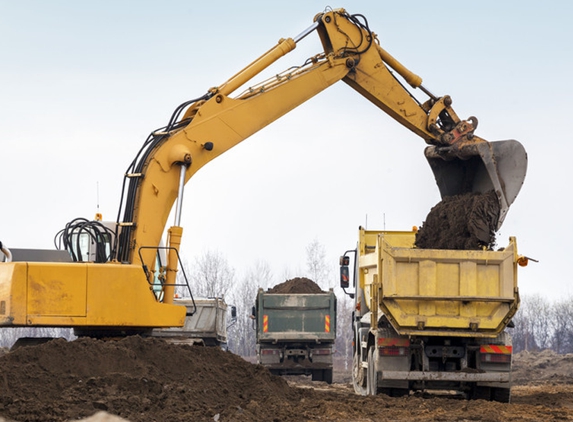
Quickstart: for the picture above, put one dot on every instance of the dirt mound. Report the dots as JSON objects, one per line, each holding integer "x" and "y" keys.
{"x": 297, "y": 285}
{"x": 139, "y": 379}
{"x": 465, "y": 221}
{"x": 146, "y": 379}
{"x": 542, "y": 367}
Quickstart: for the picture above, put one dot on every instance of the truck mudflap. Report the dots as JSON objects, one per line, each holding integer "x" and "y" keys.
{"x": 459, "y": 376}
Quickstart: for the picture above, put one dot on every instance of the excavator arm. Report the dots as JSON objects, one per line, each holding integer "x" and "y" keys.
{"x": 462, "y": 162}
{"x": 202, "y": 129}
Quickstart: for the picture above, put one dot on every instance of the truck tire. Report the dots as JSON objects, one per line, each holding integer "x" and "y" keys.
{"x": 394, "y": 392}
{"x": 327, "y": 376}
{"x": 502, "y": 395}
{"x": 317, "y": 375}
{"x": 358, "y": 375}
{"x": 371, "y": 378}
{"x": 481, "y": 393}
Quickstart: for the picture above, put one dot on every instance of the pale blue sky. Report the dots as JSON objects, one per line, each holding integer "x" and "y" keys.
{"x": 84, "y": 83}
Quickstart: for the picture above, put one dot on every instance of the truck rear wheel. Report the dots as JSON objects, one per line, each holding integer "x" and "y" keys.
{"x": 481, "y": 393}
{"x": 327, "y": 376}
{"x": 317, "y": 375}
{"x": 502, "y": 395}
{"x": 394, "y": 392}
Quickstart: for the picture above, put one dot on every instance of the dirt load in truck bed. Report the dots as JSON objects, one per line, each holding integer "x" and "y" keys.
{"x": 465, "y": 221}
{"x": 146, "y": 379}
{"x": 297, "y": 285}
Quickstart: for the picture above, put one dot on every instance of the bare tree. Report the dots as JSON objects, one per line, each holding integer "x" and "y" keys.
{"x": 317, "y": 266}
{"x": 541, "y": 320}
{"x": 211, "y": 275}
{"x": 257, "y": 276}
{"x": 563, "y": 326}
{"x": 533, "y": 324}
{"x": 288, "y": 273}
{"x": 242, "y": 337}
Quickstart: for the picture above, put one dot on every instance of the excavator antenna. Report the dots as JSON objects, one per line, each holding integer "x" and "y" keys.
{"x": 481, "y": 167}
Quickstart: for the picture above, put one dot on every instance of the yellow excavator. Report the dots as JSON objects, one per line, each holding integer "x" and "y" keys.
{"x": 126, "y": 290}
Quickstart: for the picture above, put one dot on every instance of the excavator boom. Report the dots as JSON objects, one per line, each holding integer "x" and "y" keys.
{"x": 201, "y": 130}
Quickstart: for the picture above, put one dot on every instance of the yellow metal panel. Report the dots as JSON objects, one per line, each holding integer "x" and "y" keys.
{"x": 488, "y": 285}
{"x": 406, "y": 272}
{"x": 119, "y": 295}
{"x": 84, "y": 295}
{"x": 469, "y": 287}
{"x": 13, "y": 293}
{"x": 441, "y": 292}
{"x": 427, "y": 286}
{"x": 53, "y": 291}
{"x": 447, "y": 284}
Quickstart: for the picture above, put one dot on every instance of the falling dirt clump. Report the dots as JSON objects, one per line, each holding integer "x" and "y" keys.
{"x": 297, "y": 285}
{"x": 465, "y": 221}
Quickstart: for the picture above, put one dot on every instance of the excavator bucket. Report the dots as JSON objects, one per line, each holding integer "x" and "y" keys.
{"x": 480, "y": 167}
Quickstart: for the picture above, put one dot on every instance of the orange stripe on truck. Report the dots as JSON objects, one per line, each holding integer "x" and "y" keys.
{"x": 494, "y": 348}
{"x": 393, "y": 342}
{"x": 265, "y": 323}
{"x": 327, "y": 323}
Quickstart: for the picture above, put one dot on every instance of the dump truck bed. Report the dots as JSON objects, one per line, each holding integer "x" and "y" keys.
{"x": 296, "y": 317}
{"x": 207, "y": 324}
{"x": 469, "y": 293}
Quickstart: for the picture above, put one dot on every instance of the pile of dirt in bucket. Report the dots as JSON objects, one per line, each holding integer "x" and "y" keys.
{"x": 297, "y": 285}
{"x": 467, "y": 221}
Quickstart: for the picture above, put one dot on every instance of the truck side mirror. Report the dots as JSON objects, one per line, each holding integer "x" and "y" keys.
{"x": 233, "y": 312}
{"x": 344, "y": 272}
{"x": 253, "y": 312}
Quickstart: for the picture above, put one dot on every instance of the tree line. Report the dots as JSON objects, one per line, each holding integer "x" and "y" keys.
{"x": 541, "y": 324}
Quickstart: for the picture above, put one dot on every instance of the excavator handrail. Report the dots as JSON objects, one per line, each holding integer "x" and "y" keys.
{"x": 6, "y": 252}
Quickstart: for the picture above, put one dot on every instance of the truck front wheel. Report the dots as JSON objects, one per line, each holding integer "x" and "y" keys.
{"x": 372, "y": 377}
{"x": 358, "y": 375}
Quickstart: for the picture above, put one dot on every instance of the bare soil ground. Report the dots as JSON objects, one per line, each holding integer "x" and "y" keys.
{"x": 146, "y": 379}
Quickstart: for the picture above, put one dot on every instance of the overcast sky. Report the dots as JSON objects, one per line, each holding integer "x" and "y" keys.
{"x": 84, "y": 83}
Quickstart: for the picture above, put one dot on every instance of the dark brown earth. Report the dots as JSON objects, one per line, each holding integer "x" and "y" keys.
{"x": 297, "y": 285}
{"x": 465, "y": 221}
{"x": 146, "y": 379}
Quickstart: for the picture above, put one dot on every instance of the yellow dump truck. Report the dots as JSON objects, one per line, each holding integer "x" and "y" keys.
{"x": 431, "y": 319}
